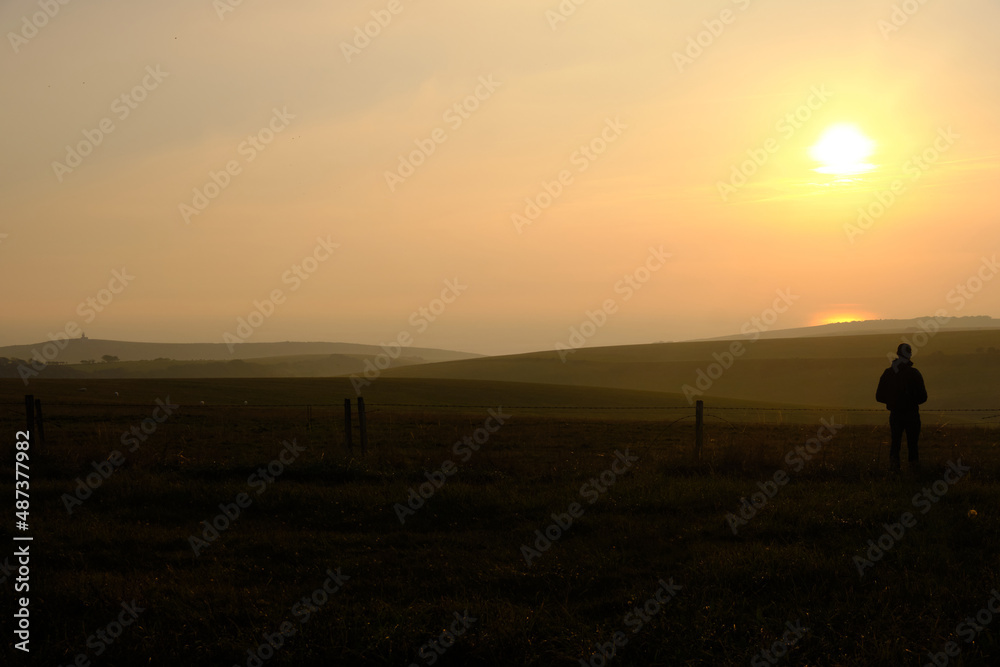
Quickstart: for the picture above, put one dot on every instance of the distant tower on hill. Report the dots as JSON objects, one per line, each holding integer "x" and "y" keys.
{"x": 83, "y": 335}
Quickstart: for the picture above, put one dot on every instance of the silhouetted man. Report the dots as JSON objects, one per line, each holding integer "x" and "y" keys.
{"x": 901, "y": 388}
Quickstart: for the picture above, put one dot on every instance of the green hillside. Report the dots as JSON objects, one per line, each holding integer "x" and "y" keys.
{"x": 76, "y": 350}
{"x": 960, "y": 368}
{"x": 289, "y": 365}
{"x": 269, "y": 367}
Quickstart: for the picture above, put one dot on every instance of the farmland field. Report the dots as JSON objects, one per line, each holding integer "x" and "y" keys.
{"x": 637, "y": 541}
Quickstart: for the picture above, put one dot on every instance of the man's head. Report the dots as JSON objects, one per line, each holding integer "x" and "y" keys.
{"x": 904, "y": 351}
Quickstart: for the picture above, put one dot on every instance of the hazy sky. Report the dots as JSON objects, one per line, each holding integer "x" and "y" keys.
{"x": 619, "y": 121}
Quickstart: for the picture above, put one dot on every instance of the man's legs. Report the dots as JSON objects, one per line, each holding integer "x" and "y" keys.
{"x": 897, "y": 422}
{"x": 912, "y": 427}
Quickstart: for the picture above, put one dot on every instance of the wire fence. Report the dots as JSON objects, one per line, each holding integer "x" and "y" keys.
{"x": 662, "y": 408}
{"x": 207, "y": 433}
{"x": 75, "y": 411}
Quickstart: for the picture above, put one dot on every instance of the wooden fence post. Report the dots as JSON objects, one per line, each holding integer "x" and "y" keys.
{"x": 347, "y": 425}
{"x": 699, "y": 428}
{"x": 41, "y": 424}
{"x": 29, "y": 415}
{"x": 363, "y": 424}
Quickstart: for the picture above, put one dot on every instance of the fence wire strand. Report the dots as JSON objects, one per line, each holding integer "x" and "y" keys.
{"x": 20, "y": 406}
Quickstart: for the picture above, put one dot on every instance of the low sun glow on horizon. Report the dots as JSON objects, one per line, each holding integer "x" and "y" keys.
{"x": 842, "y": 316}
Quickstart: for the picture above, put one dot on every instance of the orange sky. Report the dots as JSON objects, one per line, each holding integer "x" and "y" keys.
{"x": 615, "y": 122}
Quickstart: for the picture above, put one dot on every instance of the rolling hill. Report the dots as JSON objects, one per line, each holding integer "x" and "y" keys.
{"x": 960, "y": 369}
{"x": 960, "y": 365}
{"x": 80, "y": 358}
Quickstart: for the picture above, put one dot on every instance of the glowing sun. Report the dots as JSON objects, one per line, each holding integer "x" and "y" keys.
{"x": 842, "y": 150}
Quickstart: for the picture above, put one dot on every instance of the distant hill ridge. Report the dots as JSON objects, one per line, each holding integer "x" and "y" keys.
{"x": 864, "y": 327}
{"x": 77, "y": 350}
{"x": 960, "y": 361}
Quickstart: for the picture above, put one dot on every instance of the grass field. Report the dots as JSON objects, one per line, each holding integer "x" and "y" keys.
{"x": 328, "y": 517}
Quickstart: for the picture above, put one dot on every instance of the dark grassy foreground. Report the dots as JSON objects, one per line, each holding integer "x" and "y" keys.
{"x": 662, "y": 519}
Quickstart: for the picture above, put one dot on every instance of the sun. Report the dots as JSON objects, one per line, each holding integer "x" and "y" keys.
{"x": 843, "y": 150}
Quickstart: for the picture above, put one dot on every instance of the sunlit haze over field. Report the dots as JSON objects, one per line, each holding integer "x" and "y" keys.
{"x": 486, "y": 177}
